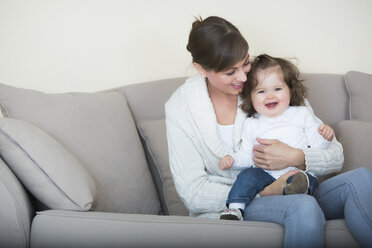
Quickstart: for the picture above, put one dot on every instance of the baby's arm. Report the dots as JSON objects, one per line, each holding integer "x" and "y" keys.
{"x": 326, "y": 131}
{"x": 226, "y": 162}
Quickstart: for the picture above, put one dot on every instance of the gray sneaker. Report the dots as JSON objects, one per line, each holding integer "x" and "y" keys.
{"x": 299, "y": 184}
{"x": 231, "y": 214}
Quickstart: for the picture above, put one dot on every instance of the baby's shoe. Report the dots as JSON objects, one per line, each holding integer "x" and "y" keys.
{"x": 299, "y": 184}
{"x": 231, "y": 214}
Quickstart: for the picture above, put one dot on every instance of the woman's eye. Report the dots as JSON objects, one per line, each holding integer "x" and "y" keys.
{"x": 230, "y": 73}
{"x": 246, "y": 63}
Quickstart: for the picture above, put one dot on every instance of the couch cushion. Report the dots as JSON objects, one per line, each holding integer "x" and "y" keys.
{"x": 355, "y": 137}
{"x": 359, "y": 86}
{"x": 97, "y": 128}
{"x": 51, "y": 173}
{"x": 94, "y": 229}
{"x": 153, "y": 133}
{"x": 155, "y": 94}
{"x": 337, "y": 234}
{"x": 319, "y": 86}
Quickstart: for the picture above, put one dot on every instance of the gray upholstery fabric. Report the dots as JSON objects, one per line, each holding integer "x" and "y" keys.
{"x": 97, "y": 128}
{"x": 330, "y": 90}
{"x": 94, "y": 229}
{"x": 337, "y": 235}
{"x": 360, "y": 88}
{"x": 146, "y": 100}
{"x": 45, "y": 167}
{"x": 355, "y": 137}
{"x": 16, "y": 211}
{"x": 153, "y": 132}
{"x": 156, "y": 93}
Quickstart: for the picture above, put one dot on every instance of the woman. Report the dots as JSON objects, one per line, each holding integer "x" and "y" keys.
{"x": 204, "y": 123}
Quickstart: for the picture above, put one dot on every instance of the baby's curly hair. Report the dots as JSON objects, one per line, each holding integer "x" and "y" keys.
{"x": 291, "y": 76}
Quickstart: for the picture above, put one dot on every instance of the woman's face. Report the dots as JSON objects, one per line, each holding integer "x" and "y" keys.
{"x": 231, "y": 81}
{"x": 271, "y": 96}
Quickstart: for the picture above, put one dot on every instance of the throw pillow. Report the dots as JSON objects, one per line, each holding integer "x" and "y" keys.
{"x": 51, "y": 173}
{"x": 359, "y": 86}
{"x": 153, "y": 133}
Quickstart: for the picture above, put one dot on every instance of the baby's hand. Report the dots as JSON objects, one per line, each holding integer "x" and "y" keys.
{"x": 327, "y": 132}
{"x": 226, "y": 162}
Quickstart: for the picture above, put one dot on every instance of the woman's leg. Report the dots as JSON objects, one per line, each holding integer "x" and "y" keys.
{"x": 300, "y": 215}
{"x": 349, "y": 196}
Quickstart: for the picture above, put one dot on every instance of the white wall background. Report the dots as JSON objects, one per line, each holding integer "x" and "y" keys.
{"x": 90, "y": 45}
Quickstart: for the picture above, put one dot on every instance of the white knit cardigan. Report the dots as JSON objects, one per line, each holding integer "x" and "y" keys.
{"x": 195, "y": 149}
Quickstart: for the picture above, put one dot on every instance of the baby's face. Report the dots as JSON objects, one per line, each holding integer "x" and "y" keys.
{"x": 271, "y": 96}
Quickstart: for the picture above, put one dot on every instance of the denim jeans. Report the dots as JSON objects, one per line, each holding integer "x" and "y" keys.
{"x": 252, "y": 181}
{"x": 344, "y": 196}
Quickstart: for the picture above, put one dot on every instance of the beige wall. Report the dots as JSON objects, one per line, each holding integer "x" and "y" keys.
{"x": 90, "y": 45}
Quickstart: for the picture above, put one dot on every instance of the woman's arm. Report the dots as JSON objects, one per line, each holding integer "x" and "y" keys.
{"x": 275, "y": 155}
{"x": 200, "y": 191}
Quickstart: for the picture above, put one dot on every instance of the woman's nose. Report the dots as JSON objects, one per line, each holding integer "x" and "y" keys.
{"x": 242, "y": 76}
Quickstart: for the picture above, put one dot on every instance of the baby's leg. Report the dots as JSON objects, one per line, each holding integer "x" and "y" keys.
{"x": 248, "y": 184}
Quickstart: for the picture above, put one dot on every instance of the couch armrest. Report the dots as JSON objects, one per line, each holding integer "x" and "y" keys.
{"x": 355, "y": 137}
{"x": 16, "y": 210}
{"x": 56, "y": 228}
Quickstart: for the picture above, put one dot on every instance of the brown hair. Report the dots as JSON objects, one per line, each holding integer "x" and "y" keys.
{"x": 291, "y": 77}
{"x": 216, "y": 44}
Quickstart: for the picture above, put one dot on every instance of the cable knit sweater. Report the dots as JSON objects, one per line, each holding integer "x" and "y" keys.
{"x": 195, "y": 149}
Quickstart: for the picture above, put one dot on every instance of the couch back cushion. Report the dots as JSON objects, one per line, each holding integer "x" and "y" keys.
{"x": 328, "y": 97}
{"x": 141, "y": 96}
{"x": 98, "y": 129}
{"x": 355, "y": 137}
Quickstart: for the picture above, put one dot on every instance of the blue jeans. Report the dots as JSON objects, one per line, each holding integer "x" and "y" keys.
{"x": 344, "y": 196}
{"x": 252, "y": 181}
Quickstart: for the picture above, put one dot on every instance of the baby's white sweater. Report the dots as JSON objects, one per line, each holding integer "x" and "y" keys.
{"x": 296, "y": 127}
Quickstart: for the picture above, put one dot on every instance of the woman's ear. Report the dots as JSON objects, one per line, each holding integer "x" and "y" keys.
{"x": 200, "y": 69}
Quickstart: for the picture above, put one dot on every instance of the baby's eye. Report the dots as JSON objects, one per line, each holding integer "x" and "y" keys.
{"x": 278, "y": 89}
{"x": 260, "y": 91}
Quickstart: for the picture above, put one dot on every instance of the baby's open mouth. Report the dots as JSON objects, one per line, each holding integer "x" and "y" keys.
{"x": 271, "y": 105}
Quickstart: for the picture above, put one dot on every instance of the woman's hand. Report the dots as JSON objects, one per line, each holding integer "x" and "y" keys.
{"x": 276, "y": 188}
{"x": 275, "y": 155}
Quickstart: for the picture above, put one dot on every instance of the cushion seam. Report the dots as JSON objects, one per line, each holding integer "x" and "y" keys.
{"x": 350, "y": 95}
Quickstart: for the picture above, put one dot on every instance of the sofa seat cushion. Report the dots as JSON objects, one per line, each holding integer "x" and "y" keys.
{"x": 98, "y": 129}
{"x": 153, "y": 133}
{"x": 355, "y": 137}
{"x": 50, "y": 172}
{"x": 359, "y": 86}
{"x": 95, "y": 229}
{"x": 338, "y": 235}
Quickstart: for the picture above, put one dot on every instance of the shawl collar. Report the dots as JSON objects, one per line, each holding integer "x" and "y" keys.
{"x": 202, "y": 111}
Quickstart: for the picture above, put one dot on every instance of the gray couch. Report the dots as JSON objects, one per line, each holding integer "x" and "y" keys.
{"x": 91, "y": 169}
